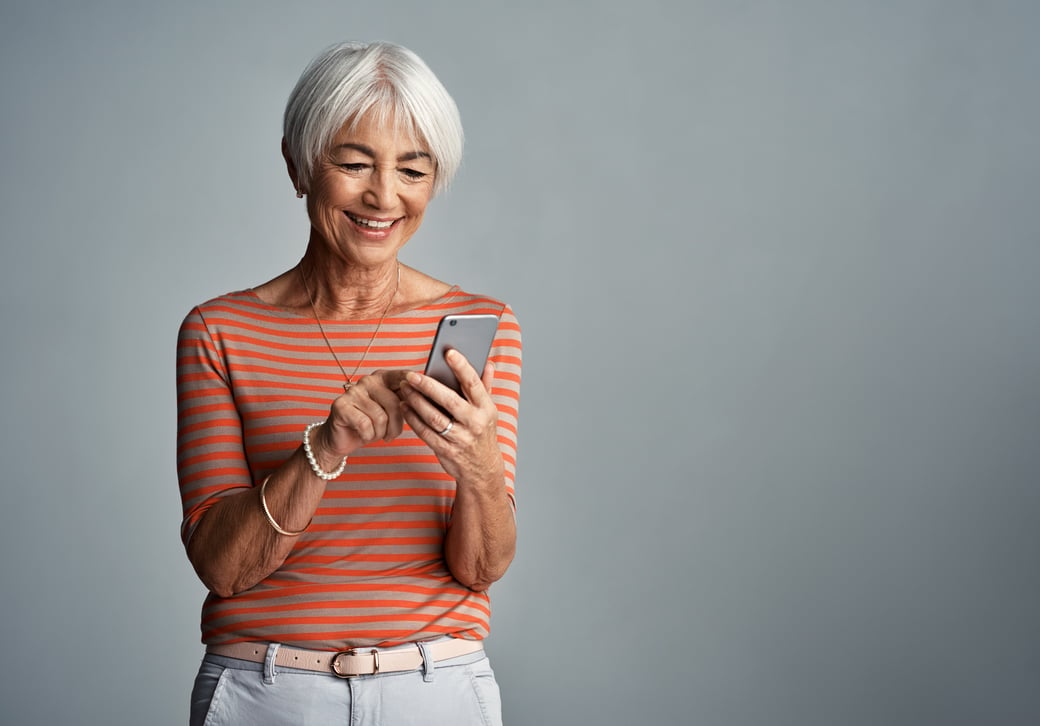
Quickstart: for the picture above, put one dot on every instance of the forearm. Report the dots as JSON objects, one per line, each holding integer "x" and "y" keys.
{"x": 234, "y": 546}
{"x": 481, "y": 538}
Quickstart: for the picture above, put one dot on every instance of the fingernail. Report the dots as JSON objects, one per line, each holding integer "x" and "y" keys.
{"x": 413, "y": 378}
{"x": 452, "y": 354}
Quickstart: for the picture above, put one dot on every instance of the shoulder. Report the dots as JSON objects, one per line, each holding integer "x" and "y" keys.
{"x": 231, "y": 313}
{"x": 507, "y": 339}
{"x": 239, "y": 300}
{"x": 427, "y": 293}
{"x": 238, "y": 307}
{"x": 461, "y": 302}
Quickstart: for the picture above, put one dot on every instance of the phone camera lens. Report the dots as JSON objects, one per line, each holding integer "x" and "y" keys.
{"x": 452, "y": 322}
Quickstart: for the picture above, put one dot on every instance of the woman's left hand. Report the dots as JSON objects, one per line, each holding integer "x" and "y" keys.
{"x": 481, "y": 537}
{"x": 469, "y": 450}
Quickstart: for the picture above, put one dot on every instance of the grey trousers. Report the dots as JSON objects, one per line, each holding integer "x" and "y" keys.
{"x": 459, "y": 691}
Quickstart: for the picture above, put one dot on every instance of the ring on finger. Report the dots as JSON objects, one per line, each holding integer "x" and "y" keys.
{"x": 446, "y": 429}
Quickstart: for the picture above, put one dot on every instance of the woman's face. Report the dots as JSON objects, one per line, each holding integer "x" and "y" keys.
{"x": 368, "y": 196}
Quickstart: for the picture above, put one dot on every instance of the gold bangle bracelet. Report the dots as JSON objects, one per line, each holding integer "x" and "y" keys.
{"x": 270, "y": 518}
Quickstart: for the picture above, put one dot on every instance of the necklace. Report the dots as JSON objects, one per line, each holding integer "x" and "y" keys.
{"x": 314, "y": 310}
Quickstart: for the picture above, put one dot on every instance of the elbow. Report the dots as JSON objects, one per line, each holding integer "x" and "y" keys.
{"x": 221, "y": 572}
{"x": 215, "y": 583}
{"x": 225, "y": 586}
{"x": 223, "y": 592}
{"x": 476, "y": 583}
{"x": 218, "y": 580}
{"x": 223, "y": 581}
{"x": 479, "y": 577}
{"x": 220, "y": 589}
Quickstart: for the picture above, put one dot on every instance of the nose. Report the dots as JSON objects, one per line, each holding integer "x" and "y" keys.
{"x": 382, "y": 189}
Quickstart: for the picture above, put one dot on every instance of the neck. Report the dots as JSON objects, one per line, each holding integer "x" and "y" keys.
{"x": 341, "y": 291}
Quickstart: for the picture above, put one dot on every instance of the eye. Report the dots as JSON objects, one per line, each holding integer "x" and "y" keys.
{"x": 413, "y": 174}
{"x": 353, "y": 168}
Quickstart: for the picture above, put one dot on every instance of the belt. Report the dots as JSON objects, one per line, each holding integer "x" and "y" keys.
{"x": 353, "y": 661}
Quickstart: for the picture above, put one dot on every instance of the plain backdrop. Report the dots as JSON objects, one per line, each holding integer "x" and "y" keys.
{"x": 776, "y": 264}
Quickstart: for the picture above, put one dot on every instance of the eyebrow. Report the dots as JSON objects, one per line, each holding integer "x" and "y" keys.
{"x": 410, "y": 156}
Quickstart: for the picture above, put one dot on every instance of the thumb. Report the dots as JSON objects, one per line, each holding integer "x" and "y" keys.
{"x": 393, "y": 379}
{"x": 488, "y": 379}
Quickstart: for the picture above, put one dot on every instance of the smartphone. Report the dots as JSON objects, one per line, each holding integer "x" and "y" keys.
{"x": 471, "y": 335}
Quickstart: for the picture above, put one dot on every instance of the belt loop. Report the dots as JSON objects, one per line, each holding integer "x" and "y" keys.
{"x": 269, "y": 670}
{"x": 427, "y": 662}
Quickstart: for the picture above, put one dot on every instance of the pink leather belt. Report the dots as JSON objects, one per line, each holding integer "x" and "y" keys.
{"x": 354, "y": 661}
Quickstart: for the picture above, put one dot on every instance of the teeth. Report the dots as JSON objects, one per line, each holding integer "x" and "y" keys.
{"x": 371, "y": 223}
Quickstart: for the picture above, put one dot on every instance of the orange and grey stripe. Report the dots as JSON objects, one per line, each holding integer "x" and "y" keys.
{"x": 370, "y": 568}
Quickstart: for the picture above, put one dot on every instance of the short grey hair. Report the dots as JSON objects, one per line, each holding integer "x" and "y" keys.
{"x": 349, "y": 80}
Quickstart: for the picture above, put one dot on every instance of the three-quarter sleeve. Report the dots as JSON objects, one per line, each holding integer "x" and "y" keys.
{"x": 506, "y": 356}
{"x": 211, "y": 460}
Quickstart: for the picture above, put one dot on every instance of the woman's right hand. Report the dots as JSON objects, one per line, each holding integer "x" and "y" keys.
{"x": 234, "y": 546}
{"x": 370, "y": 410}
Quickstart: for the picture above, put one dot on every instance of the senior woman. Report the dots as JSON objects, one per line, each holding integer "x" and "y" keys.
{"x": 347, "y": 512}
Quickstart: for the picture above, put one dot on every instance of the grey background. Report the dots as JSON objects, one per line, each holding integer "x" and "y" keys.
{"x": 776, "y": 265}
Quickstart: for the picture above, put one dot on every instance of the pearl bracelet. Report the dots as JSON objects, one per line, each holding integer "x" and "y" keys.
{"x": 326, "y": 475}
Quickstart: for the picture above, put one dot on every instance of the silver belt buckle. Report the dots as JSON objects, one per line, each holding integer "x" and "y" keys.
{"x": 349, "y": 652}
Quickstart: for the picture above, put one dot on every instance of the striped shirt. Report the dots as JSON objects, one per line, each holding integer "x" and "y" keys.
{"x": 370, "y": 569}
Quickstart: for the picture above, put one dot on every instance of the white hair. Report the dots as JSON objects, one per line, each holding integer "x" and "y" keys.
{"x": 349, "y": 80}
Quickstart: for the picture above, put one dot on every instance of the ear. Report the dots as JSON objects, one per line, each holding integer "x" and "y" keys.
{"x": 290, "y": 166}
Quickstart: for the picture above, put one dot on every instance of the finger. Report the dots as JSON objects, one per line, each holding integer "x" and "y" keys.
{"x": 433, "y": 391}
{"x": 382, "y": 386}
{"x": 390, "y": 404}
{"x": 430, "y": 415}
{"x": 393, "y": 379}
{"x": 345, "y": 415}
{"x": 376, "y": 413}
{"x": 423, "y": 429}
{"x": 363, "y": 414}
{"x": 470, "y": 383}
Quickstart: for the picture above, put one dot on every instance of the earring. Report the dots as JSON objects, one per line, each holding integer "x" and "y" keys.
{"x": 299, "y": 194}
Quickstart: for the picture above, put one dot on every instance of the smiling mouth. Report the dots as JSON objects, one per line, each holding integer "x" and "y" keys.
{"x": 370, "y": 223}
